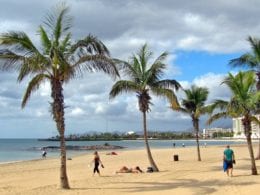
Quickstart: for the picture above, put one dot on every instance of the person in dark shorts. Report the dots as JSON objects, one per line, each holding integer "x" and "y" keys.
{"x": 97, "y": 162}
{"x": 229, "y": 159}
{"x": 44, "y": 153}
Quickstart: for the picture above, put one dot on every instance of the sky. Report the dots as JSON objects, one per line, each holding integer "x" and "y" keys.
{"x": 201, "y": 36}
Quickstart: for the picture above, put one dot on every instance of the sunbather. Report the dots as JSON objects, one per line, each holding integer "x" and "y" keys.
{"x": 125, "y": 169}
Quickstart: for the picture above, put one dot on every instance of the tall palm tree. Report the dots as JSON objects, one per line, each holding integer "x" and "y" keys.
{"x": 143, "y": 79}
{"x": 194, "y": 105}
{"x": 242, "y": 104}
{"x": 251, "y": 61}
{"x": 57, "y": 62}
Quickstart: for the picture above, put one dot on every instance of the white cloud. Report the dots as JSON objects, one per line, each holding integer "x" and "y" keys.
{"x": 213, "y": 83}
{"x": 9, "y": 25}
{"x": 76, "y": 112}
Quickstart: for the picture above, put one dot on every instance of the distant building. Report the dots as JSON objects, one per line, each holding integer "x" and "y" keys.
{"x": 208, "y": 133}
{"x": 130, "y": 133}
{"x": 239, "y": 129}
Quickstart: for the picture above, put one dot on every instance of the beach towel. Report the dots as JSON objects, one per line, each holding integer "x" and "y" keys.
{"x": 225, "y": 165}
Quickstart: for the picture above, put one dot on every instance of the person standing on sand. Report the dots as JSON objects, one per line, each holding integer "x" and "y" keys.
{"x": 96, "y": 161}
{"x": 229, "y": 159}
{"x": 44, "y": 153}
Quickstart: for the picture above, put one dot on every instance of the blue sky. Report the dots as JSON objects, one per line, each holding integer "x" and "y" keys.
{"x": 201, "y": 36}
{"x": 194, "y": 63}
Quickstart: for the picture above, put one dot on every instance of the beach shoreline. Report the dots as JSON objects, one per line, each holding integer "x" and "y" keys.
{"x": 27, "y": 149}
{"x": 186, "y": 176}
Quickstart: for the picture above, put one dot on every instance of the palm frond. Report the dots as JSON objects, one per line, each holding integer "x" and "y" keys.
{"x": 92, "y": 63}
{"x": 155, "y": 72}
{"x": 254, "y": 120}
{"x": 18, "y": 42}
{"x": 10, "y": 60}
{"x": 64, "y": 46}
{"x": 161, "y": 58}
{"x": 58, "y": 21}
{"x": 123, "y": 86}
{"x": 216, "y": 117}
{"x": 182, "y": 109}
{"x": 168, "y": 93}
{"x": 255, "y": 45}
{"x": 33, "y": 85}
{"x": 167, "y": 83}
{"x": 46, "y": 43}
{"x": 220, "y": 104}
{"x": 249, "y": 60}
{"x": 90, "y": 45}
{"x": 143, "y": 57}
{"x": 246, "y": 60}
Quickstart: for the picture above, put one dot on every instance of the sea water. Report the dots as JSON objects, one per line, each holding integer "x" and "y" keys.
{"x": 29, "y": 149}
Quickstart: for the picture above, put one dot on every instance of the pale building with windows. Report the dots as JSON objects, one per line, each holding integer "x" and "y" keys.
{"x": 208, "y": 133}
{"x": 238, "y": 128}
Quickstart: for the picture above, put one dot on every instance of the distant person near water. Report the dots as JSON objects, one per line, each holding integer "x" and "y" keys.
{"x": 183, "y": 145}
{"x": 174, "y": 145}
{"x": 228, "y": 161}
{"x": 44, "y": 153}
{"x": 97, "y": 162}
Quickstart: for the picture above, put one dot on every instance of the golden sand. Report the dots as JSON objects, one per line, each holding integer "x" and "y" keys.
{"x": 186, "y": 176}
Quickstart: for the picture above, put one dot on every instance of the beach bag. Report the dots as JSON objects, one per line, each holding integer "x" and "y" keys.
{"x": 149, "y": 169}
{"x": 225, "y": 166}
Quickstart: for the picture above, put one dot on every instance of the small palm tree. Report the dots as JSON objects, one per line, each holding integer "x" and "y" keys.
{"x": 58, "y": 62}
{"x": 194, "y": 105}
{"x": 143, "y": 79}
{"x": 243, "y": 103}
{"x": 251, "y": 61}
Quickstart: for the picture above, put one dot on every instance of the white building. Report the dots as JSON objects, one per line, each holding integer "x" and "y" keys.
{"x": 238, "y": 128}
{"x": 209, "y": 132}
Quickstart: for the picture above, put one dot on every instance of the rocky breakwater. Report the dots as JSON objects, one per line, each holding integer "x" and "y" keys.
{"x": 106, "y": 146}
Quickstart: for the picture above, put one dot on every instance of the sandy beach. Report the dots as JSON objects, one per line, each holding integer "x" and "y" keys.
{"x": 186, "y": 176}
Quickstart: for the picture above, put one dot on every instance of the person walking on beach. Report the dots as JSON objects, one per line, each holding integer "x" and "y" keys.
{"x": 97, "y": 162}
{"x": 229, "y": 159}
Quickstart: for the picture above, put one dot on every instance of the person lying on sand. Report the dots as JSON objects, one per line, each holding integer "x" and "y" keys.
{"x": 125, "y": 169}
{"x": 111, "y": 153}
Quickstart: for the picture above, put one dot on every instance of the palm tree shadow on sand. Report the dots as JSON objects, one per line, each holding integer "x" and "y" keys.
{"x": 197, "y": 186}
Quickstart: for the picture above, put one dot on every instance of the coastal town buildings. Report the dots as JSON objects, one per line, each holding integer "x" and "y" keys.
{"x": 208, "y": 133}
{"x": 239, "y": 130}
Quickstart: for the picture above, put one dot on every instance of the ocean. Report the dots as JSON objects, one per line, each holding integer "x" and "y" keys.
{"x": 29, "y": 149}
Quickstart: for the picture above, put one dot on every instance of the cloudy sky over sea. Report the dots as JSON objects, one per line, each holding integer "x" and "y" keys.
{"x": 201, "y": 37}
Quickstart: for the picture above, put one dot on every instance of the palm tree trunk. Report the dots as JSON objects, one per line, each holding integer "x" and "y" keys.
{"x": 258, "y": 107}
{"x": 258, "y": 155}
{"x": 196, "y": 128}
{"x": 247, "y": 127}
{"x": 150, "y": 158}
{"x": 58, "y": 116}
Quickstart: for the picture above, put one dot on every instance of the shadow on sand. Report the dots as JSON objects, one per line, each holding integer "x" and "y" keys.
{"x": 199, "y": 187}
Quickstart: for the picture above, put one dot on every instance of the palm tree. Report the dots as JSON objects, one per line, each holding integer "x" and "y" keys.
{"x": 242, "y": 104}
{"x": 194, "y": 105}
{"x": 58, "y": 62}
{"x": 143, "y": 79}
{"x": 251, "y": 61}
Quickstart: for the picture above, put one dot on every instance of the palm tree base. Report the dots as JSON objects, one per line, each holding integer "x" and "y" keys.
{"x": 257, "y": 158}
